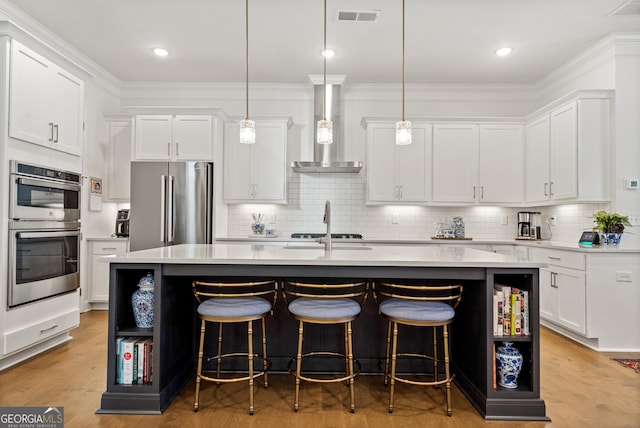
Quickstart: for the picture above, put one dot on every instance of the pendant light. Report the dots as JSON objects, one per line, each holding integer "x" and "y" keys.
{"x": 403, "y": 127}
{"x": 247, "y": 126}
{"x": 325, "y": 127}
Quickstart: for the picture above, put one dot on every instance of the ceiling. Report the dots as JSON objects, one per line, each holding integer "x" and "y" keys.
{"x": 447, "y": 41}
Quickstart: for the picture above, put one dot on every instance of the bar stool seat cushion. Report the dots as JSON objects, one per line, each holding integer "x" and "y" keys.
{"x": 414, "y": 310}
{"x": 233, "y": 307}
{"x": 319, "y": 308}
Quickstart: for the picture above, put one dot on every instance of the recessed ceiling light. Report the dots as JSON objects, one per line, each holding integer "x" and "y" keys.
{"x": 504, "y": 51}
{"x": 160, "y": 51}
{"x": 328, "y": 53}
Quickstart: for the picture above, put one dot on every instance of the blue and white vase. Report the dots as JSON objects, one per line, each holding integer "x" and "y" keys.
{"x": 610, "y": 239}
{"x": 508, "y": 365}
{"x": 142, "y": 302}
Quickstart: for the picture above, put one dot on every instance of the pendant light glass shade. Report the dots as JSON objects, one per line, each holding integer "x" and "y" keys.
{"x": 247, "y": 131}
{"x": 325, "y": 132}
{"x": 247, "y": 126}
{"x": 403, "y": 127}
{"x": 403, "y": 133}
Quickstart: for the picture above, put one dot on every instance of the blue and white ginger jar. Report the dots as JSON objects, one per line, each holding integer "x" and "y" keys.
{"x": 508, "y": 365}
{"x": 142, "y": 302}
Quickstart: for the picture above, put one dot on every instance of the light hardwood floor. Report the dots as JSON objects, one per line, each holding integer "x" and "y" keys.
{"x": 581, "y": 388}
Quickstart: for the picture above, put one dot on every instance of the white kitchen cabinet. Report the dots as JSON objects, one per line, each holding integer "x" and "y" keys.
{"x": 477, "y": 163}
{"x": 567, "y": 150}
{"x": 455, "y": 167}
{"x": 562, "y": 288}
{"x": 256, "y": 173}
{"x": 173, "y": 137}
{"x": 99, "y": 271}
{"x": 117, "y": 185}
{"x": 46, "y": 103}
{"x": 500, "y": 164}
{"x": 398, "y": 173}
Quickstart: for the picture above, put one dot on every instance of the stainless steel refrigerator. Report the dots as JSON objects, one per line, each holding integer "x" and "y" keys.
{"x": 171, "y": 203}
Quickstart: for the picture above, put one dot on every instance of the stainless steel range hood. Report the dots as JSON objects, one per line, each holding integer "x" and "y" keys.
{"x": 326, "y": 157}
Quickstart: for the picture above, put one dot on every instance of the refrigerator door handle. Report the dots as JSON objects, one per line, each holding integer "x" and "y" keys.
{"x": 170, "y": 225}
{"x": 163, "y": 199}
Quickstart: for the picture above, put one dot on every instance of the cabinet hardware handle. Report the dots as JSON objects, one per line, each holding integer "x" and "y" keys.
{"x": 554, "y": 258}
{"x": 401, "y": 195}
{"x": 168, "y": 149}
{"x": 50, "y": 131}
{"x": 109, "y": 248}
{"x": 481, "y": 192}
{"x": 177, "y": 149}
{"x": 55, "y": 128}
{"x": 551, "y": 188}
{"x": 44, "y": 330}
{"x": 545, "y": 189}
{"x": 474, "y": 192}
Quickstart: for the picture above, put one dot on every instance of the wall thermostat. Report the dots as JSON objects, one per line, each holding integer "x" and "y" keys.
{"x": 631, "y": 183}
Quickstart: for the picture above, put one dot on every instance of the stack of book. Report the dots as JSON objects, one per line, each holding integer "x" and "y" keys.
{"x": 510, "y": 311}
{"x": 135, "y": 358}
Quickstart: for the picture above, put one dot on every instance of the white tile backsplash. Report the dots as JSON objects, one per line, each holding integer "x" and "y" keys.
{"x": 308, "y": 193}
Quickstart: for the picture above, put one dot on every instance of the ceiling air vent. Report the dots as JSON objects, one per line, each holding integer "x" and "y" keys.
{"x": 358, "y": 15}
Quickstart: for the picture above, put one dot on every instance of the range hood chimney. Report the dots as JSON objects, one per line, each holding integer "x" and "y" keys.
{"x": 326, "y": 156}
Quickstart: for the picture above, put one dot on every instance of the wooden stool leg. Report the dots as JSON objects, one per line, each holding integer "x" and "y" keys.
{"x": 199, "y": 371}
{"x": 264, "y": 353}
{"x": 250, "y": 352}
{"x": 387, "y": 353}
{"x": 352, "y": 388}
{"x": 394, "y": 351}
{"x": 435, "y": 354}
{"x": 298, "y": 366}
{"x": 445, "y": 334}
{"x": 219, "y": 352}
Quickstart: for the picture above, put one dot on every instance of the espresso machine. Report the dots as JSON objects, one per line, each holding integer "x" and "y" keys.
{"x": 529, "y": 226}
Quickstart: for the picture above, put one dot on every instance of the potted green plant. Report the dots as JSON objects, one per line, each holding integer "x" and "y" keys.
{"x": 610, "y": 225}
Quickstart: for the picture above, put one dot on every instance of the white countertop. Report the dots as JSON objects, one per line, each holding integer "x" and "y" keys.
{"x": 306, "y": 253}
{"x": 440, "y": 242}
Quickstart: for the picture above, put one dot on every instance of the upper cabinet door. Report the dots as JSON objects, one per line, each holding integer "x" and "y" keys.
{"x": 412, "y": 163}
{"x": 500, "y": 163}
{"x": 46, "y": 103}
{"x": 564, "y": 152}
{"x": 67, "y": 93}
{"x": 153, "y": 137}
{"x": 455, "y": 163}
{"x": 28, "y": 99}
{"x": 381, "y": 163}
{"x": 256, "y": 173}
{"x": 193, "y": 137}
{"x": 537, "y": 140}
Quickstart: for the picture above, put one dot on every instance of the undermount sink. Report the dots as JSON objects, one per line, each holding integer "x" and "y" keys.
{"x": 336, "y": 247}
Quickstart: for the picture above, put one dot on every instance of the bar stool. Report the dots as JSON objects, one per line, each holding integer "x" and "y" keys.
{"x": 338, "y": 302}
{"x": 423, "y": 305}
{"x": 233, "y": 302}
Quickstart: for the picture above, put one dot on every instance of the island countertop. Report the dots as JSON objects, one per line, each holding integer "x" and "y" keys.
{"x": 314, "y": 254}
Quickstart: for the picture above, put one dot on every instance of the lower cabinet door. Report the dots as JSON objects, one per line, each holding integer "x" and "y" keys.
{"x": 571, "y": 299}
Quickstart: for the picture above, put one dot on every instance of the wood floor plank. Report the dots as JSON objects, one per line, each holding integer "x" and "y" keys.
{"x": 581, "y": 388}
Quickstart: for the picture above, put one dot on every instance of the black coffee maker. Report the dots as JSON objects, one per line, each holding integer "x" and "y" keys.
{"x": 122, "y": 224}
{"x": 529, "y": 225}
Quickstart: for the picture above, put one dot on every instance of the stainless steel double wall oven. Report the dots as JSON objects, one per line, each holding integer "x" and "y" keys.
{"x": 44, "y": 232}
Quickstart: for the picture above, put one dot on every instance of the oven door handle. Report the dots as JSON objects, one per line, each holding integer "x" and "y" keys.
{"x": 47, "y": 183}
{"x": 52, "y": 234}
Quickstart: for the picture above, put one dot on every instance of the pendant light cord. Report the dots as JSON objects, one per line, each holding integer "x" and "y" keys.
{"x": 324, "y": 72}
{"x": 246, "y": 35}
{"x": 403, "y": 60}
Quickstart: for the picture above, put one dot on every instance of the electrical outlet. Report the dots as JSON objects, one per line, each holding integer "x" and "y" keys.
{"x": 272, "y": 219}
{"x": 503, "y": 220}
{"x": 623, "y": 276}
{"x": 394, "y": 219}
{"x": 553, "y": 221}
{"x": 633, "y": 219}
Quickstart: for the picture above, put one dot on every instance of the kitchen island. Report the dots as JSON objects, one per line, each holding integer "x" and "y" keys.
{"x": 174, "y": 338}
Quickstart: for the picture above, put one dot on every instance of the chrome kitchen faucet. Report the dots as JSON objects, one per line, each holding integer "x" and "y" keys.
{"x": 327, "y": 220}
